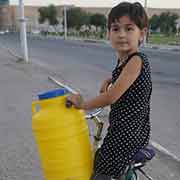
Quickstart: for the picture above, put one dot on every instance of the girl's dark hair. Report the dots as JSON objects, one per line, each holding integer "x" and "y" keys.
{"x": 134, "y": 11}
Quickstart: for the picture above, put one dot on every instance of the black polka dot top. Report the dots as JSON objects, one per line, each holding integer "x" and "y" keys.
{"x": 135, "y": 102}
{"x": 129, "y": 120}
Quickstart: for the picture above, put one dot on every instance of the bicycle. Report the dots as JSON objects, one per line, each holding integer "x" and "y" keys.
{"x": 139, "y": 160}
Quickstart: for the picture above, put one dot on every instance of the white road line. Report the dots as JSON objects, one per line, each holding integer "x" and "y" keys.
{"x": 164, "y": 150}
{"x": 10, "y": 51}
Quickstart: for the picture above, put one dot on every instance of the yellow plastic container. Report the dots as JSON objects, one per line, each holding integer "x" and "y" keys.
{"x": 63, "y": 141}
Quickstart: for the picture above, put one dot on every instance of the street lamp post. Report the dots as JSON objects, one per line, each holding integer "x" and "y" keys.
{"x": 146, "y": 36}
{"x": 23, "y": 35}
{"x": 177, "y": 29}
{"x": 65, "y": 22}
{"x": 145, "y": 5}
{"x": 66, "y": 7}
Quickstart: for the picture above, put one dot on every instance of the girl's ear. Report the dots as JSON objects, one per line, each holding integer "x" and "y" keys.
{"x": 143, "y": 35}
{"x": 144, "y": 32}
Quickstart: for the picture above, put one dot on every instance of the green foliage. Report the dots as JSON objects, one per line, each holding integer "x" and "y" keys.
{"x": 154, "y": 22}
{"x": 48, "y": 13}
{"x": 76, "y": 18}
{"x": 43, "y": 14}
{"x": 164, "y": 39}
{"x": 52, "y": 14}
{"x": 166, "y": 22}
{"x": 98, "y": 20}
{"x": 87, "y": 17}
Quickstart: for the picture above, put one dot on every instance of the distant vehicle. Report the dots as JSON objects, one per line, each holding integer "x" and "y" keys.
{"x": 7, "y": 31}
{"x": 2, "y": 32}
{"x": 35, "y": 32}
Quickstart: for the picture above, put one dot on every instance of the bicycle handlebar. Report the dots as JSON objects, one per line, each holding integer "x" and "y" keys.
{"x": 94, "y": 113}
{"x": 62, "y": 85}
{"x": 69, "y": 103}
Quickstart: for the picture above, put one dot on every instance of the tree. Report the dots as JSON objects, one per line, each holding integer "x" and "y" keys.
{"x": 48, "y": 13}
{"x": 154, "y": 22}
{"x": 86, "y": 20}
{"x": 76, "y": 17}
{"x": 166, "y": 21}
{"x": 98, "y": 20}
{"x": 43, "y": 14}
{"x": 52, "y": 15}
{"x": 173, "y": 20}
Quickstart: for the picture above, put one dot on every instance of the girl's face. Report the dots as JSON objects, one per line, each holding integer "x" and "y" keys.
{"x": 125, "y": 35}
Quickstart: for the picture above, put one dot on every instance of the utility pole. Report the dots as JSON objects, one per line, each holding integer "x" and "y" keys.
{"x": 146, "y": 36}
{"x": 65, "y": 22}
{"x": 145, "y": 5}
{"x": 23, "y": 35}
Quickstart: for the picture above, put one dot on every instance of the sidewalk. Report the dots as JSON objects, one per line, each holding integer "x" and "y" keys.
{"x": 18, "y": 154}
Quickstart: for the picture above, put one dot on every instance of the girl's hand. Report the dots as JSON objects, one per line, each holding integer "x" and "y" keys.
{"x": 76, "y": 100}
{"x": 105, "y": 85}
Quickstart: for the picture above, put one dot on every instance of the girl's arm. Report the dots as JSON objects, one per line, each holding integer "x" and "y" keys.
{"x": 129, "y": 74}
{"x": 127, "y": 77}
{"x": 105, "y": 85}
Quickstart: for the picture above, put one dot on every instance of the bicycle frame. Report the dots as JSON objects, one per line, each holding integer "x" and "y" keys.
{"x": 99, "y": 126}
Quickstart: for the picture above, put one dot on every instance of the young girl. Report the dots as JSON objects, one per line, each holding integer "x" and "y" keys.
{"x": 129, "y": 95}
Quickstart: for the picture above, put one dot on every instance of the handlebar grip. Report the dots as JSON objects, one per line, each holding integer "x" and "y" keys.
{"x": 69, "y": 104}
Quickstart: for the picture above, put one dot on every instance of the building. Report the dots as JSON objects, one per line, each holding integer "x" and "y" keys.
{"x": 9, "y": 14}
{"x": 4, "y": 13}
{"x": 4, "y": 2}
{"x": 9, "y": 17}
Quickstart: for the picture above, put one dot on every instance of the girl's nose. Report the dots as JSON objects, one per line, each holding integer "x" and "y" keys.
{"x": 122, "y": 33}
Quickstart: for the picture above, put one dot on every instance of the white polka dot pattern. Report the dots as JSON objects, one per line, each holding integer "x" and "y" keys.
{"x": 129, "y": 129}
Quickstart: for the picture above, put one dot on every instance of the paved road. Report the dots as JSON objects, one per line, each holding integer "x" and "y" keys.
{"x": 84, "y": 65}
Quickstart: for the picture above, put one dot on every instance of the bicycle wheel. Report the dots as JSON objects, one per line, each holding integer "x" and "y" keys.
{"x": 131, "y": 175}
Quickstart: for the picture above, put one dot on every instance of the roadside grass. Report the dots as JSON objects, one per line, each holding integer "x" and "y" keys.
{"x": 153, "y": 38}
{"x": 164, "y": 39}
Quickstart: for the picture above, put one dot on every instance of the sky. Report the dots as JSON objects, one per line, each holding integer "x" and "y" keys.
{"x": 101, "y": 3}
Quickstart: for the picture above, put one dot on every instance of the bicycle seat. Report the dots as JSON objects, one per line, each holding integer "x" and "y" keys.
{"x": 143, "y": 155}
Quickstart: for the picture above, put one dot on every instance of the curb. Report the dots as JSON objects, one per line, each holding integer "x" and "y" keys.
{"x": 164, "y": 151}
{"x": 156, "y": 47}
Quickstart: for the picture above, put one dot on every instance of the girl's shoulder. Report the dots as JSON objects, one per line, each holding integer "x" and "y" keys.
{"x": 146, "y": 67}
{"x": 145, "y": 59}
{"x": 139, "y": 54}
{"x": 143, "y": 56}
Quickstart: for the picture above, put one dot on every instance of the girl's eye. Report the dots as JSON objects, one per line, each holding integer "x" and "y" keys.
{"x": 129, "y": 29}
{"x": 115, "y": 29}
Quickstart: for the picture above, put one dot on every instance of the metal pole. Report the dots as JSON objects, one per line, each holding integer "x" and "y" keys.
{"x": 65, "y": 22}
{"x": 145, "y": 4}
{"x": 23, "y": 35}
{"x": 146, "y": 9}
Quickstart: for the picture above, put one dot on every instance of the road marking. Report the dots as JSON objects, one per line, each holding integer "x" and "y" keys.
{"x": 10, "y": 51}
{"x": 164, "y": 150}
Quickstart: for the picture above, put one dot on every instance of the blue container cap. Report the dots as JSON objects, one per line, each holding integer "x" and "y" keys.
{"x": 53, "y": 93}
